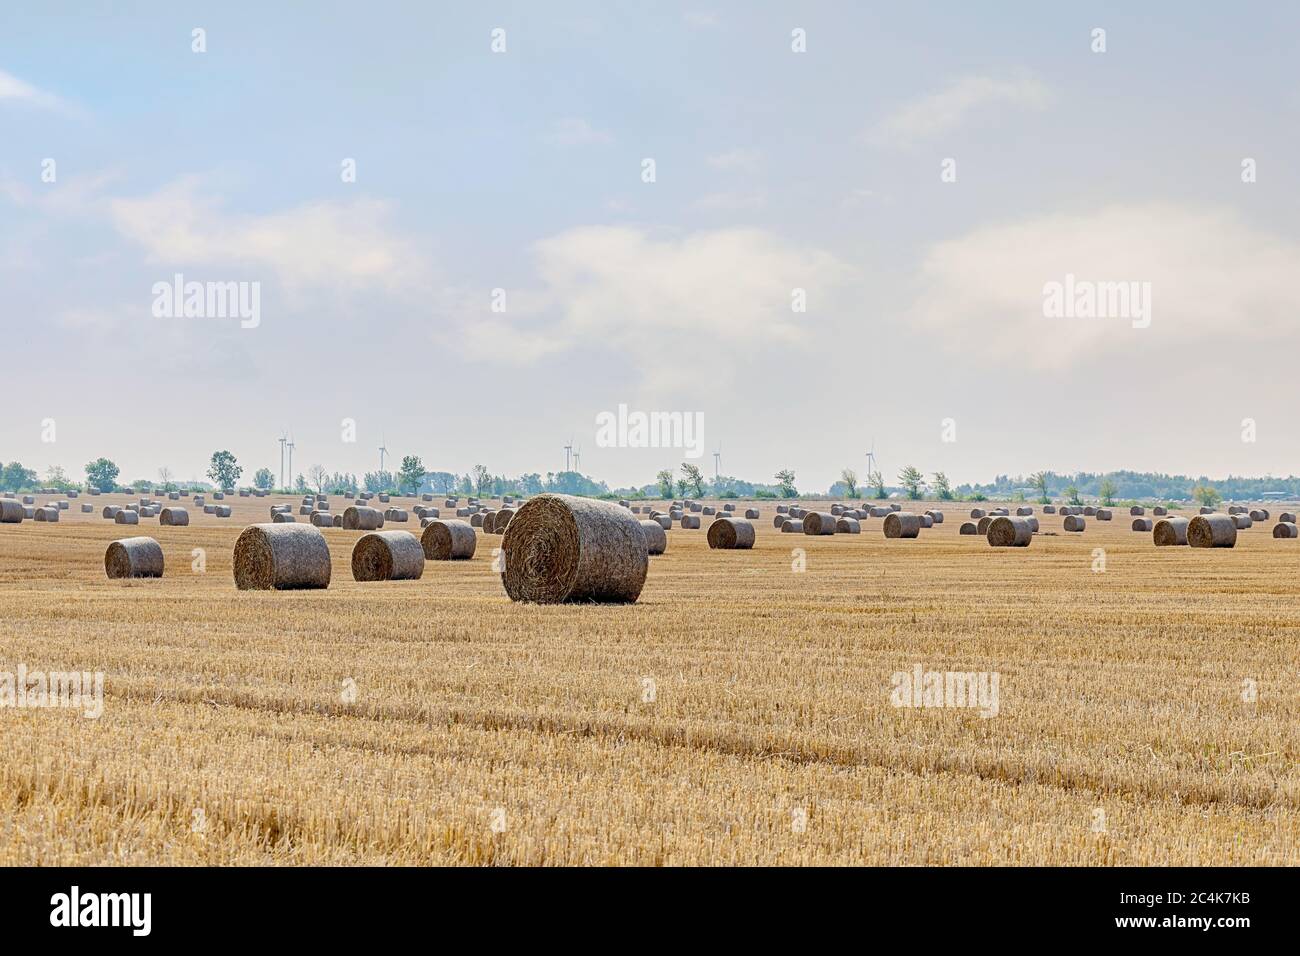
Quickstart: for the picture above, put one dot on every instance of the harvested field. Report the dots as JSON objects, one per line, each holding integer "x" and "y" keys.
{"x": 395, "y": 724}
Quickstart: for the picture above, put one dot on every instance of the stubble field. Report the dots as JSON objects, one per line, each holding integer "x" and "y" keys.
{"x": 739, "y": 713}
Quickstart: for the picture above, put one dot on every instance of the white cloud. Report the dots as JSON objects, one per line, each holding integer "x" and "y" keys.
{"x": 743, "y": 160}
{"x": 732, "y": 201}
{"x": 575, "y": 131}
{"x": 14, "y": 89}
{"x": 684, "y": 309}
{"x": 937, "y": 113}
{"x": 324, "y": 243}
{"x": 1212, "y": 276}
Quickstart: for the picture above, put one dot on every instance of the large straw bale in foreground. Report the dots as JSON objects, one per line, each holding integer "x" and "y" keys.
{"x": 446, "y": 539}
{"x": 1212, "y": 531}
{"x": 733, "y": 533}
{"x": 387, "y": 556}
{"x": 1170, "y": 531}
{"x": 11, "y": 511}
{"x": 134, "y": 558}
{"x": 1007, "y": 532}
{"x": 281, "y": 557}
{"x": 561, "y": 548}
{"x": 656, "y": 539}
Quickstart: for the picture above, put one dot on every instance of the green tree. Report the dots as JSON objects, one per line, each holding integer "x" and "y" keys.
{"x": 1107, "y": 491}
{"x": 263, "y": 480}
{"x": 1207, "y": 496}
{"x": 1039, "y": 480}
{"x": 1072, "y": 493}
{"x": 224, "y": 470}
{"x": 665, "y": 480}
{"x": 850, "y": 479}
{"x": 941, "y": 486}
{"x": 785, "y": 482}
{"x": 877, "y": 482}
{"x": 911, "y": 479}
{"x": 411, "y": 474}
{"x": 694, "y": 480}
{"x": 482, "y": 479}
{"x": 101, "y": 474}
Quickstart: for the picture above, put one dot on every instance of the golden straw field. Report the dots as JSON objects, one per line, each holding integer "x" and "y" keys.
{"x": 739, "y": 713}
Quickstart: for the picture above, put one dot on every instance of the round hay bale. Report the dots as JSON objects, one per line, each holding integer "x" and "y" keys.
{"x": 696, "y": 507}
{"x": 656, "y": 540}
{"x": 1212, "y": 531}
{"x": 1075, "y": 523}
{"x": 709, "y": 509}
{"x": 385, "y": 499}
{"x": 337, "y": 521}
{"x": 426, "y": 497}
{"x": 1159, "y": 511}
{"x": 1206, "y": 511}
{"x": 1170, "y": 531}
{"x": 732, "y": 534}
{"x": 322, "y": 519}
{"x": 978, "y": 512}
{"x": 175, "y": 517}
{"x": 127, "y": 517}
{"x": 464, "y": 511}
{"x": 1285, "y": 529}
{"x": 1243, "y": 521}
{"x": 901, "y": 524}
{"x": 560, "y": 548}
{"x": 879, "y": 512}
{"x": 450, "y": 502}
{"x": 1033, "y": 524}
{"x": 729, "y": 507}
{"x": 1259, "y": 514}
{"x": 502, "y": 520}
{"x": 134, "y": 558}
{"x": 28, "y": 500}
{"x": 895, "y": 507}
{"x": 1005, "y": 531}
{"x": 779, "y": 520}
{"x": 1104, "y": 514}
{"x": 691, "y": 522}
{"x": 223, "y": 511}
{"x": 110, "y": 511}
{"x": 489, "y": 522}
{"x": 792, "y": 526}
{"x": 818, "y": 523}
{"x": 86, "y": 507}
{"x": 283, "y": 517}
{"x": 270, "y": 557}
{"x": 362, "y": 518}
{"x": 1024, "y": 511}
{"x": 1142, "y": 524}
{"x": 1090, "y": 511}
{"x": 448, "y": 540}
{"x": 751, "y": 514}
{"x": 1237, "y": 509}
{"x": 782, "y": 509}
{"x": 476, "y": 519}
{"x": 926, "y": 521}
{"x": 1049, "y": 509}
{"x": 1287, "y": 516}
{"x": 387, "y": 556}
{"x": 1137, "y": 510}
{"x": 665, "y": 521}
{"x": 11, "y": 511}
{"x": 847, "y": 525}
{"x": 837, "y": 510}
{"x": 936, "y": 516}
{"x": 212, "y": 509}
{"x": 983, "y": 526}
{"x": 396, "y": 514}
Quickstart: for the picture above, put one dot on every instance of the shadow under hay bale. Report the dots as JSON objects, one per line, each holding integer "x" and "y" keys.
{"x": 275, "y": 557}
{"x": 560, "y": 548}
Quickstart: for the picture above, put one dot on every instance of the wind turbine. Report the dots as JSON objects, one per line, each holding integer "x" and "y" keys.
{"x": 871, "y": 460}
{"x": 717, "y": 462}
{"x": 568, "y": 451}
{"x": 577, "y": 458}
{"x": 284, "y": 438}
{"x": 383, "y": 450}
{"x": 290, "y": 446}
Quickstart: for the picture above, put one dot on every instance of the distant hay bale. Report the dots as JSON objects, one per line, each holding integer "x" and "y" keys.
{"x": 175, "y": 517}
{"x": 1104, "y": 514}
{"x": 134, "y": 558}
{"x": 729, "y": 507}
{"x": 322, "y": 519}
{"x": 779, "y": 520}
{"x": 426, "y": 497}
{"x": 243, "y": 493}
{"x": 450, "y": 502}
{"x": 751, "y": 513}
{"x": 464, "y": 511}
{"x": 936, "y": 516}
{"x": 895, "y": 507}
{"x": 302, "y": 509}
{"x": 1049, "y": 509}
{"x": 446, "y": 539}
{"x": 1024, "y": 511}
{"x": 665, "y": 521}
{"x": 212, "y": 509}
{"x": 978, "y": 512}
{"x": 560, "y": 548}
{"x": 983, "y": 526}
{"x": 283, "y": 517}
{"x": 1242, "y": 521}
{"x": 968, "y": 527}
{"x": 1212, "y": 531}
{"x": 362, "y": 518}
{"x": 709, "y": 509}
{"x": 476, "y": 519}
{"x": 729, "y": 534}
{"x": 1137, "y": 510}
{"x": 792, "y": 526}
{"x": 1237, "y": 509}
{"x": 1075, "y": 523}
{"x": 879, "y": 512}
{"x": 1170, "y": 531}
{"x": 385, "y": 499}
{"x": 837, "y": 510}
{"x": 502, "y": 520}
{"x": 1287, "y": 516}
{"x": 28, "y": 500}
{"x": 86, "y": 508}
{"x": 818, "y": 523}
{"x": 1259, "y": 514}
{"x": 847, "y": 525}
{"x": 1159, "y": 511}
{"x": 1142, "y": 524}
{"x": 1033, "y": 524}
{"x": 61, "y": 505}
{"x": 110, "y": 511}
{"x": 696, "y": 507}
{"x": 797, "y": 512}
{"x": 1090, "y": 511}
{"x": 1206, "y": 511}
{"x": 387, "y": 556}
{"x": 1005, "y": 531}
{"x": 489, "y": 522}
{"x": 691, "y": 522}
{"x": 396, "y": 514}
{"x": 1285, "y": 529}
{"x": 782, "y": 509}
{"x": 11, "y": 511}
{"x": 656, "y": 540}
{"x": 127, "y": 517}
{"x": 902, "y": 524}
{"x": 926, "y": 520}
{"x": 272, "y": 557}
{"x": 337, "y": 521}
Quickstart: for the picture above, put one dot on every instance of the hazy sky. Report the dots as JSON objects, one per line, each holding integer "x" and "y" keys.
{"x": 774, "y": 170}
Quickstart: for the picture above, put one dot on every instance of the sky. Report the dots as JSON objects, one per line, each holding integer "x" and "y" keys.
{"x": 816, "y": 228}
